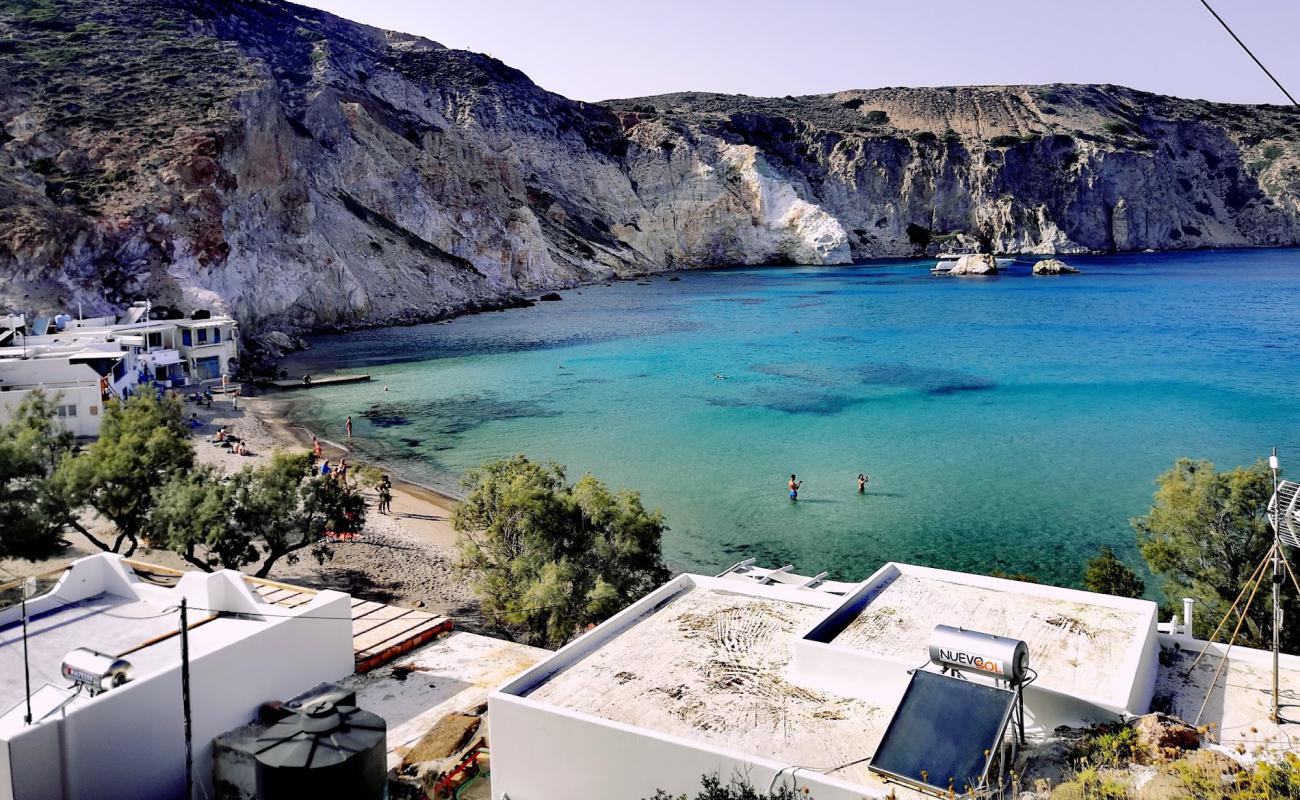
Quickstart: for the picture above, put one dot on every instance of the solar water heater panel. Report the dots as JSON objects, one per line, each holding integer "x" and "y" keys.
{"x": 944, "y": 734}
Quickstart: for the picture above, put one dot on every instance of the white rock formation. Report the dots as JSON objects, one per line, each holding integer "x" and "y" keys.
{"x": 1053, "y": 266}
{"x": 975, "y": 264}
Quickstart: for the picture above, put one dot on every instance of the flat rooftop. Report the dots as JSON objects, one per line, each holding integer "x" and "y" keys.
{"x": 112, "y": 624}
{"x": 1240, "y": 704}
{"x": 711, "y": 665}
{"x": 1074, "y": 646}
{"x": 451, "y": 675}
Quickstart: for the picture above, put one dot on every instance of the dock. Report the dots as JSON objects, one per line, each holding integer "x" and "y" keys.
{"x": 325, "y": 380}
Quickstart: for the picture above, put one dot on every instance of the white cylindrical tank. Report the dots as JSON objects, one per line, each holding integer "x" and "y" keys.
{"x": 97, "y": 671}
{"x": 983, "y": 653}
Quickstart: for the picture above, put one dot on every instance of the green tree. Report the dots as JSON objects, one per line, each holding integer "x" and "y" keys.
{"x": 548, "y": 558}
{"x": 1107, "y": 574}
{"x": 269, "y": 512}
{"x": 142, "y": 444}
{"x": 32, "y": 444}
{"x": 1204, "y": 536}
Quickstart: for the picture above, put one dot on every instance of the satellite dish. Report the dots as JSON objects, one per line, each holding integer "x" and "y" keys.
{"x": 1284, "y": 512}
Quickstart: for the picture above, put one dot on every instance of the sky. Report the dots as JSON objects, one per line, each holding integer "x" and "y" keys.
{"x": 593, "y": 50}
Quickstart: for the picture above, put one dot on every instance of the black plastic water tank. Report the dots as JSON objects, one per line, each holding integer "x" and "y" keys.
{"x": 323, "y": 751}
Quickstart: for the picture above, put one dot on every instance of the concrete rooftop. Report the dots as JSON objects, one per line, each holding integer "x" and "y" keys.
{"x": 711, "y": 666}
{"x": 1076, "y": 647}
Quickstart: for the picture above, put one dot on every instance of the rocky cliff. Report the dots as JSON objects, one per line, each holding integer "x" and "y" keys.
{"x": 306, "y": 172}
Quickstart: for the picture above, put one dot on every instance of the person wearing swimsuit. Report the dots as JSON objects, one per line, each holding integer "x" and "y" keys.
{"x": 794, "y": 487}
{"x": 862, "y": 483}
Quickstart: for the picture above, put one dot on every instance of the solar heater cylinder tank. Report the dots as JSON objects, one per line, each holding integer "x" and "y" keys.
{"x": 982, "y": 653}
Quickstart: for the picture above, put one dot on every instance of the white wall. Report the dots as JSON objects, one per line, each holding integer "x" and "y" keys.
{"x": 85, "y": 398}
{"x": 128, "y": 743}
{"x": 544, "y": 753}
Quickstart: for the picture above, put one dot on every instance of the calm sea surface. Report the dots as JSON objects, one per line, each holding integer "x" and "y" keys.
{"x": 1011, "y": 423}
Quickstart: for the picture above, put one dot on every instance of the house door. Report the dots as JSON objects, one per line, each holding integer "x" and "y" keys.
{"x": 208, "y": 368}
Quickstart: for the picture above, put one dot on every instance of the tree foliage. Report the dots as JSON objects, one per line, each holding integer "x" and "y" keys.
{"x": 142, "y": 445}
{"x": 268, "y": 513}
{"x": 32, "y": 444}
{"x": 1105, "y": 573}
{"x": 549, "y": 558}
{"x": 1204, "y": 536}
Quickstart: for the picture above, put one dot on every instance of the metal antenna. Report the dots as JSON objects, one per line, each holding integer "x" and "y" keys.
{"x": 29, "y": 589}
{"x": 185, "y": 699}
{"x": 1277, "y": 582}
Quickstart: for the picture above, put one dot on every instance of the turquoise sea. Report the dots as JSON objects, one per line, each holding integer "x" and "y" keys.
{"x": 1012, "y": 423}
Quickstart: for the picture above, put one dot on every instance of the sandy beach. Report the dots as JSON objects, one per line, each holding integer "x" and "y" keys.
{"x": 404, "y": 558}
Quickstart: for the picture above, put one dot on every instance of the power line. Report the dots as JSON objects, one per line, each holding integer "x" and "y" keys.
{"x": 1238, "y": 40}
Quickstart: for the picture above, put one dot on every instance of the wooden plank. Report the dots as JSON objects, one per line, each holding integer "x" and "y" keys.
{"x": 414, "y": 632}
{"x": 301, "y": 599}
{"x": 368, "y": 623}
{"x": 394, "y": 631}
{"x": 389, "y": 629}
{"x": 375, "y": 657}
{"x": 365, "y": 608}
{"x": 276, "y": 584}
{"x": 278, "y": 595}
{"x": 396, "y": 635}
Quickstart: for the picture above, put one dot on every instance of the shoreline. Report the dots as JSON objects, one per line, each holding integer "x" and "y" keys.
{"x": 407, "y": 557}
{"x": 271, "y": 412}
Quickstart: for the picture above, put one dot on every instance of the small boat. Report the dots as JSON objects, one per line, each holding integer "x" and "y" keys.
{"x": 948, "y": 260}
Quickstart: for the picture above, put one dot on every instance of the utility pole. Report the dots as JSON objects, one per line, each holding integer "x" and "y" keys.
{"x": 1277, "y": 583}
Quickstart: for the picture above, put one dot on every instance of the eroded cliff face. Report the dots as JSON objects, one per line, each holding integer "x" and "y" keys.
{"x": 305, "y": 172}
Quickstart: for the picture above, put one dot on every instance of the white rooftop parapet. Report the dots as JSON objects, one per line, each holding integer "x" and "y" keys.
{"x": 754, "y": 673}
{"x": 1095, "y": 655}
{"x": 127, "y": 742}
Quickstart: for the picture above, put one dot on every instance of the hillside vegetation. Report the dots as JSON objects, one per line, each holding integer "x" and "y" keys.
{"x": 306, "y": 173}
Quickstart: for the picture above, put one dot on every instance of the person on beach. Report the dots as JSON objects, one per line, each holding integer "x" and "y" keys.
{"x": 306, "y": 380}
{"x": 234, "y": 398}
{"x": 325, "y": 468}
{"x": 862, "y": 482}
{"x": 342, "y": 472}
{"x": 385, "y": 496}
{"x": 315, "y": 446}
{"x": 794, "y": 487}
{"x": 348, "y": 425}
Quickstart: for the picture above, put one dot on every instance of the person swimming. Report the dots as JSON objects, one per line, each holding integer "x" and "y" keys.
{"x": 862, "y": 482}
{"x": 794, "y": 487}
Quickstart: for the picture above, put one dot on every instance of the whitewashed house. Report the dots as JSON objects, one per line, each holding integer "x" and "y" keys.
{"x": 59, "y": 356}
{"x": 127, "y": 741}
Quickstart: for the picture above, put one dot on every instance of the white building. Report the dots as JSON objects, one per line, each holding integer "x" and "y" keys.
{"x": 77, "y": 387}
{"x": 784, "y": 679}
{"x": 124, "y": 354}
{"x": 127, "y": 742}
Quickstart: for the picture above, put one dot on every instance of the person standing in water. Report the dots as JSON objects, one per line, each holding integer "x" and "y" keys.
{"x": 794, "y": 487}
{"x": 349, "y": 427}
{"x": 862, "y": 482}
